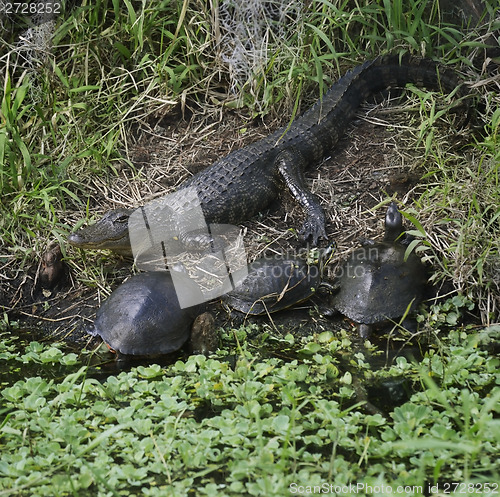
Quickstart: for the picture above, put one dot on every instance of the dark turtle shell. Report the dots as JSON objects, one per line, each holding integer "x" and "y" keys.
{"x": 274, "y": 283}
{"x": 376, "y": 283}
{"x": 143, "y": 316}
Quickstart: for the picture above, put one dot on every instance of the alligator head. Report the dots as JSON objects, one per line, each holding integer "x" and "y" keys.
{"x": 110, "y": 232}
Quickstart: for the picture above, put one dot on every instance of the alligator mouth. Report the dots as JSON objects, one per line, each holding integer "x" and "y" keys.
{"x": 111, "y": 243}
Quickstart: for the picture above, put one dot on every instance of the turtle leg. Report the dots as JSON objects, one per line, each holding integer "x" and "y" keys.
{"x": 364, "y": 330}
{"x": 291, "y": 165}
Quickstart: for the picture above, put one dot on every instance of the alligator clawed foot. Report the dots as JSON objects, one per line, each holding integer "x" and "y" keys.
{"x": 312, "y": 230}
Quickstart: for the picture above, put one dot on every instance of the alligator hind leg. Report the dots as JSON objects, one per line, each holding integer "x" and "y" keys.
{"x": 291, "y": 165}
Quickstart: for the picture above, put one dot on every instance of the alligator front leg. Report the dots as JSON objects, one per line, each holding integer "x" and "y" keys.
{"x": 291, "y": 164}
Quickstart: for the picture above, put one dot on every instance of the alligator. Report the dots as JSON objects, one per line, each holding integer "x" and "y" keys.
{"x": 246, "y": 181}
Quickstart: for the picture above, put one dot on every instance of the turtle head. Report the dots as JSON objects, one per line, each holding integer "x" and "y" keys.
{"x": 393, "y": 223}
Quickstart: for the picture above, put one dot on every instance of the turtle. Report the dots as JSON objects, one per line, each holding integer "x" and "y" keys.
{"x": 277, "y": 282}
{"x": 378, "y": 282}
{"x": 143, "y": 317}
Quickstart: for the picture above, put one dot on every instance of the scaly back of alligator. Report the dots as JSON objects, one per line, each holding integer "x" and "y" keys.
{"x": 319, "y": 129}
{"x": 239, "y": 185}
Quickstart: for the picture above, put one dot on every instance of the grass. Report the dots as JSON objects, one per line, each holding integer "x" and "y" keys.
{"x": 69, "y": 116}
{"x": 460, "y": 206}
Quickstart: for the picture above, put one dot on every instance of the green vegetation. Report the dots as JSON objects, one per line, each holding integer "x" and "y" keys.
{"x": 243, "y": 425}
{"x": 239, "y": 422}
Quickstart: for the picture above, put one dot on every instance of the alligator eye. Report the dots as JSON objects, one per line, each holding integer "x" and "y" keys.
{"x": 122, "y": 219}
